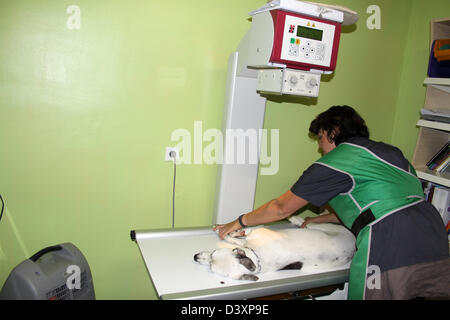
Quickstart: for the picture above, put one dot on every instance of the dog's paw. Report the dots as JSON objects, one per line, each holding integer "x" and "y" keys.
{"x": 237, "y": 234}
{"x": 296, "y": 220}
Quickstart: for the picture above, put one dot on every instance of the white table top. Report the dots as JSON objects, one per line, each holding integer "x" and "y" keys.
{"x": 168, "y": 256}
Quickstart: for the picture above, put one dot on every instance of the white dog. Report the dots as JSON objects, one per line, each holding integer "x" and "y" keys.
{"x": 264, "y": 250}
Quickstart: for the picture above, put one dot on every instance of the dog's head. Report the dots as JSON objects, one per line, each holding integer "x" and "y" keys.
{"x": 237, "y": 263}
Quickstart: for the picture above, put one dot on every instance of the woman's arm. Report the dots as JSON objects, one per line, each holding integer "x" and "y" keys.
{"x": 324, "y": 218}
{"x": 274, "y": 210}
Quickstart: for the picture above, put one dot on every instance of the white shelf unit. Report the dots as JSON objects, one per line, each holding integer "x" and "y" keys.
{"x": 433, "y": 134}
{"x": 434, "y": 125}
{"x": 442, "y": 84}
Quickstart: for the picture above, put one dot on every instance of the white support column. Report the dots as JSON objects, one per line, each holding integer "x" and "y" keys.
{"x": 244, "y": 109}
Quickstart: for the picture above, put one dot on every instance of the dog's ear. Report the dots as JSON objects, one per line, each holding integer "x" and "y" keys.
{"x": 243, "y": 259}
{"x": 248, "y": 263}
{"x": 239, "y": 253}
{"x": 251, "y": 277}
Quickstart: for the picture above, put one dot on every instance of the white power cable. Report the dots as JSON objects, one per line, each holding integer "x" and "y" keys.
{"x": 172, "y": 154}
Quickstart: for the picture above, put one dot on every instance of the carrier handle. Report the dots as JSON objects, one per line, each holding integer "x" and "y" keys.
{"x": 39, "y": 254}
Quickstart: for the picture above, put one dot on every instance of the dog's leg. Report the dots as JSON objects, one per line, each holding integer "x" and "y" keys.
{"x": 296, "y": 220}
{"x": 237, "y": 234}
{"x": 232, "y": 238}
{"x": 237, "y": 241}
{"x": 241, "y": 233}
{"x": 238, "y": 237}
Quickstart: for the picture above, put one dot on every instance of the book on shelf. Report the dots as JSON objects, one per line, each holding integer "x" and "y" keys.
{"x": 443, "y": 165}
{"x": 440, "y": 115}
{"x": 439, "y": 197}
{"x": 440, "y": 159}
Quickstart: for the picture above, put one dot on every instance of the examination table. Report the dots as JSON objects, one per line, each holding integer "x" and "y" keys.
{"x": 168, "y": 256}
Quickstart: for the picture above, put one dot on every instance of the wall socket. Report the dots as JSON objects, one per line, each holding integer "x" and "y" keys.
{"x": 168, "y": 151}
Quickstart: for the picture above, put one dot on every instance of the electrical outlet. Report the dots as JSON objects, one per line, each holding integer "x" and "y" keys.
{"x": 168, "y": 151}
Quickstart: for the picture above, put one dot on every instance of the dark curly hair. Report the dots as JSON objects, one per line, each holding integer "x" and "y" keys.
{"x": 341, "y": 123}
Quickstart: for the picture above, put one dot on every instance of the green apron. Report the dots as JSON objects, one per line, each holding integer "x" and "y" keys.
{"x": 379, "y": 189}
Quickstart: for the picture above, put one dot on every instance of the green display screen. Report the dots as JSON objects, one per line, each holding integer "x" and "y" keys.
{"x": 309, "y": 33}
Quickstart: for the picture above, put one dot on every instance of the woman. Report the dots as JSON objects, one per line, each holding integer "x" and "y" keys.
{"x": 402, "y": 249}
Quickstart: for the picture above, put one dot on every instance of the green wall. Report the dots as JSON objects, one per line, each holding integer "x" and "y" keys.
{"x": 86, "y": 114}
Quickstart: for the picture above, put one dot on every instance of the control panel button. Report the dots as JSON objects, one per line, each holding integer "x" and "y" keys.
{"x": 293, "y": 50}
{"x": 311, "y": 83}
{"x": 320, "y": 47}
{"x": 293, "y": 80}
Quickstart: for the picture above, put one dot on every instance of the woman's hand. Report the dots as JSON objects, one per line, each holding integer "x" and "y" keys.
{"x": 307, "y": 221}
{"x": 225, "y": 229}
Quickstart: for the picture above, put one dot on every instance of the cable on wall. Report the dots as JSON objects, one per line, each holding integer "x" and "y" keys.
{"x": 3, "y": 207}
{"x": 173, "y": 155}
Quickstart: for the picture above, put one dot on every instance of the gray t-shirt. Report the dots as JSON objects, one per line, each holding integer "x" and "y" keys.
{"x": 319, "y": 184}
